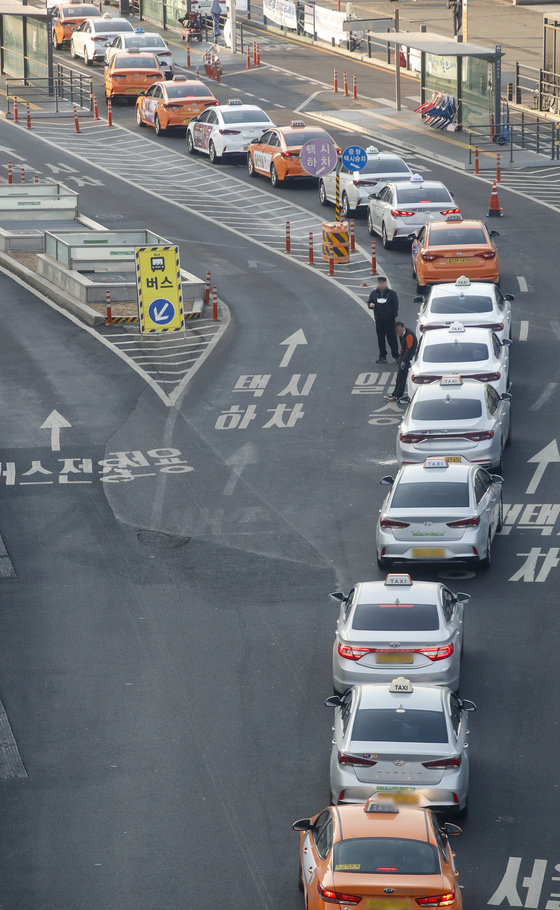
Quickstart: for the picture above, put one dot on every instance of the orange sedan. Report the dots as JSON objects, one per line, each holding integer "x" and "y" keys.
{"x": 445, "y": 250}
{"x": 381, "y": 855}
{"x": 131, "y": 73}
{"x": 276, "y": 153}
{"x": 66, "y": 18}
{"x": 173, "y": 103}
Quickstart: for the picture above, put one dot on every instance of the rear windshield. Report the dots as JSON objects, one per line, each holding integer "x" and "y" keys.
{"x": 441, "y": 495}
{"x": 419, "y": 194}
{"x": 446, "y": 237}
{"x": 395, "y": 617}
{"x": 237, "y": 116}
{"x": 455, "y": 352}
{"x": 181, "y": 90}
{"x": 382, "y": 166}
{"x": 108, "y": 25}
{"x": 383, "y": 854}
{"x": 79, "y": 12}
{"x": 447, "y": 409}
{"x": 386, "y": 725}
{"x": 135, "y": 62}
{"x": 300, "y": 137}
{"x": 145, "y": 41}
{"x": 471, "y": 304}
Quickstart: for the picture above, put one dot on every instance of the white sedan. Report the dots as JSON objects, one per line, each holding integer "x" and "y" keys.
{"x": 145, "y": 41}
{"x": 227, "y": 129}
{"x": 398, "y": 210}
{"x": 91, "y": 38}
{"x": 476, "y": 303}
{"x": 356, "y": 186}
{"x": 459, "y": 351}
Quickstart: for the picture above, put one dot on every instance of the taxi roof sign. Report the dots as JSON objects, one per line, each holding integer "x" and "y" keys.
{"x": 451, "y": 380}
{"x": 372, "y": 150}
{"x": 416, "y": 178}
{"x": 398, "y": 580}
{"x": 457, "y": 327}
{"x": 463, "y": 282}
{"x": 179, "y": 78}
{"x": 436, "y": 461}
{"x": 454, "y": 217}
{"x": 375, "y": 806}
{"x": 235, "y": 101}
{"x": 297, "y": 124}
{"x": 401, "y": 684}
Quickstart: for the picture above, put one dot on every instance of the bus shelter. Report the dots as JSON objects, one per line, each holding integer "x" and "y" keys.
{"x": 25, "y": 41}
{"x": 467, "y": 72}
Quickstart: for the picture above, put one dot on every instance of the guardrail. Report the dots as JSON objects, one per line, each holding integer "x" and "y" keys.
{"x": 67, "y": 86}
{"x": 537, "y": 88}
{"x": 526, "y": 132}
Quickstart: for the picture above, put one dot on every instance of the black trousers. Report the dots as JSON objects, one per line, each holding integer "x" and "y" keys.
{"x": 401, "y": 381}
{"x": 386, "y": 330}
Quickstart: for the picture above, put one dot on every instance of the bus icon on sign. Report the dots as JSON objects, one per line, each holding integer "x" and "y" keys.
{"x": 157, "y": 263}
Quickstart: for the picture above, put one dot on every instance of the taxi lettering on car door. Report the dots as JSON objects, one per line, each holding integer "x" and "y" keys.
{"x": 263, "y": 155}
{"x": 150, "y": 103}
{"x": 203, "y": 129}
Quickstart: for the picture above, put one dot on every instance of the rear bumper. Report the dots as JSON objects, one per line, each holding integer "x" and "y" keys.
{"x": 487, "y": 454}
{"x": 449, "y": 793}
{"x": 446, "y": 675}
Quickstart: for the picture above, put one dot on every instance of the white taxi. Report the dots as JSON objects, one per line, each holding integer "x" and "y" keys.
{"x": 444, "y": 509}
{"x": 356, "y": 186}
{"x": 398, "y": 210}
{"x": 461, "y": 351}
{"x": 227, "y": 129}
{"x": 475, "y": 303}
{"x": 91, "y": 38}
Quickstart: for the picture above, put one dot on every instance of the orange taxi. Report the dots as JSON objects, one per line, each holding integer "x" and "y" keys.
{"x": 67, "y": 17}
{"x": 130, "y": 73}
{"x": 445, "y": 250}
{"x": 173, "y": 103}
{"x": 276, "y": 153}
{"x": 380, "y": 855}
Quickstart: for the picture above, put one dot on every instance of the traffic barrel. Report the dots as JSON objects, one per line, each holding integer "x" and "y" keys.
{"x": 95, "y": 108}
{"x": 336, "y": 241}
{"x": 373, "y": 259}
{"x": 288, "y": 238}
{"x": 109, "y": 112}
{"x": 214, "y": 304}
{"x": 10, "y": 178}
{"x": 476, "y": 164}
{"x": 494, "y": 210}
{"x": 335, "y": 81}
{"x": 352, "y": 237}
{"x": 498, "y": 169}
{"x": 28, "y": 118}
{"x": 354, "y": 87}
{"x": 207, "y": 290}
{"x": 345, "y": 82}
{"x": 311, "y": 256}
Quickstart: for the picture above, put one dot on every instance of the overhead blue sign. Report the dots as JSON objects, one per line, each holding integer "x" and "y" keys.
{"x": 161, "y": 311}
{"x": 354, "y": 157}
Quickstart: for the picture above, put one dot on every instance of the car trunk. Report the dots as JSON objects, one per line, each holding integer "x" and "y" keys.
{"x": 425, "y": 526}
{"x": 374, "y": 894}
{"x": 399, "y": 764}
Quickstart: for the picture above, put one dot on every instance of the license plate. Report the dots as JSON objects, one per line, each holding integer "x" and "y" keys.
{"x": 245, "y": 148}
{"x": 460, "y": 259}
{"x": 431, "y": 552}
{"x": 453, "y": 459}
{"x": 400, "y": 789}
{"x": 387, "y": 903}
{"x": 394, "y": 658}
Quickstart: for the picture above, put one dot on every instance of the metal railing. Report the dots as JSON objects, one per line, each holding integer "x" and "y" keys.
{"x": 67, "y": 86}
{"x": 537, "y": 88}
{"x": 525, "y": 132}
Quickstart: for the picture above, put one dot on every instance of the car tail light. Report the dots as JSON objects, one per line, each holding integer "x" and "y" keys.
{"x": 422, "y": 380}
{"x": 350, "y": 653}
{"x": 402, "y": 213}
{"x": 229, "y": 132}
{"x": 485, "y": 377}
{"x": 336, "y": 897}
{"x": 344, "y": 759}
{"x": 289, "y": 154}
{"x": 486, "y": 254}
{"x": 428, "y": 328}
{"x": 437, "y": 900}
{"x": 494, "y": 326}
{"x": 441, "y": 653}
{"x": 444, "y": 762}
{"x": 429, "y": 257}
{"x": 411, "y": 438}
{"x": 465, "y": 523}
{"x": 93, "y": 38}
{"x": 365, "y": 182}
{"x": 478, "y": 437}
{"x": 451, "y": 212}
{"x": 164, "y": 53}
{"x": 172, "y": 105}
{"x": 118, "y": 76}
{"x": 391, "y": 523}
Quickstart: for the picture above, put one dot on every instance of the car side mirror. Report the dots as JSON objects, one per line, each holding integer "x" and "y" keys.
{"x": 302, "y": 824}
{"x": 405, "y": 399}
{"x": 510, "y": 297}
{"x": 493, "y": 233}
{"x": 505, "y": 396}
{"x": 333, "y": 701}
{"x": 468, "y": 705}
{"x": 338, "y": 597}
{"x": 451, "y": 830}
{"x": 418, "y": 299}
{"x": 387, "y": 481}
{"x": 497, "y": 478}
{"x": 462, "y": 598}
{"x": 505, "y": 342}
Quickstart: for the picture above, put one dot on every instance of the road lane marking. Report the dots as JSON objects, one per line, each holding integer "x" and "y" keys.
{"x": 543, "y": 398}
{"x": 11, "y": 764}
{"x": 303, "y": 104}
{"x": 522, "y": 284}
{"x": 555, "y": 326}
{"x": 524, "y": 330}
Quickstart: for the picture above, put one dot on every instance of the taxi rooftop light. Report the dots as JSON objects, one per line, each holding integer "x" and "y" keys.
{"x": 451, "y": 380}
{"x": 133, "y": 50}
{"x": 372, "y": 150}
{"x": 454, "y": 217}
{"x": 180, "y": 78}
{"x": 398, "y": 580}
{"x": 235, "y": 101}
{"x": 456, "y": 327}
{"x": 373, "y": 806}
{"x": 401, "y": 684}
{"x": 463, "y": 282}
{"x": 139, "y": 30}
{"x": 107, "y": 15}
{"x": 436, "y": 462}
{"x": 416, "y": 178}
{"x": 297, "y": 124}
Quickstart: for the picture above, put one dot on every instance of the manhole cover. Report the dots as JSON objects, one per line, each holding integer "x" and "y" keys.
{"x": 158, "y": 540}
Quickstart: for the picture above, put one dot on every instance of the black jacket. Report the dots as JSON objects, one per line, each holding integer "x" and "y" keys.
{"x": 409, "y": 346}
{"x": 387, "y": 310}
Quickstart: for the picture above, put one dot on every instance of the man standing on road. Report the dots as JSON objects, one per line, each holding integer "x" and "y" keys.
{"x": 409, "y": 346}
{"x": 385, "y": 305}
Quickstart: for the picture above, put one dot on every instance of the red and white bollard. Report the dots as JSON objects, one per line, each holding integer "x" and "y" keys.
{"x": 345, "y": 83}
{"x": 373, "y": 259}
{"x": 288, "y": 238}
{"x": 248, "y": 64}
{"x": 109, "y": 112}
{"x": 352, "y": 237}
{"x": 23, "y": 175}
{"x": 498, "y": 169}
{"x": 335, "y": 81}
{"x": 76, "y": 124}
{"x": 109, "y": 320}
{"x": 254, "y": 53}
{"x": 331, "y": 261}
{"x": 28, "y": 118}
{"x": 95, "y": 108}
{"x": 10, "y": 178}
{"x": 214, "y": 304}
{"x": 311, "y": 256}
{"x": 188, "y": 55}
{"x": 476, "y": 165}
{"x": 258, "y": 55}
{"x": 207, "y": 290}
{"x": 218, "y": 73}
{"x": 354, "y": 87}
{"x": 15, "y": 111}
{"x": 36, "y": 178}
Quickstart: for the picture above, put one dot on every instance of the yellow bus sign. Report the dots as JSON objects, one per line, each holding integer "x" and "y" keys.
{"x": 160, "y": 298}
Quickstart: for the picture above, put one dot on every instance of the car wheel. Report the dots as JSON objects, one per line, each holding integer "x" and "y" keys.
{"x": 274, "y": 179}
{"x": 251, "y": 166}
{"x": 382, "y": 563}
{"x": 420, "y": 288}
{"x": 486, "y": 562}
{"x": 72, "y": 50}
{"x": 370, "y": 227}
{"x": 159, "y": 130}
{"x": 300, "y": 879}
{"x": 55, "y": 43}
{"x": 139, "y": 120}
{"x": 463, "y": 813}
{"x": 510, "y": 434}
{"x": 333, "y": 801}
{"x": 500, "y": 517}
{"x": 190, "y": 143}
{"x": 387, "y": 244}
{"x": 345, "y": 205}
{"x": 212, "y": 153}
{"x": 87, "y": 61}
{"x": 322, "y": 194}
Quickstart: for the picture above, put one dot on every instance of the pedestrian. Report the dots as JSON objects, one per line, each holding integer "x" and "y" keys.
{"x": 409, "y": 346}
{"x": 385, "y": 305}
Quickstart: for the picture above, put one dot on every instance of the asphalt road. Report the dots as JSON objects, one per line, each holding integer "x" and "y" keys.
{"x": 165, "y": 647}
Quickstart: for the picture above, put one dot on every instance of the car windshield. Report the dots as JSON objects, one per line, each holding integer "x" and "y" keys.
{"x": 454, "y": 237}
{"x": 371, "y": 855}
{"x": 447, "y": 409}
{"x": 382, "y": 166}
{"x": 182, "y": 90}
{"x": 387, "y": 725}
{"x": 395, "y": 617}
{"x": 145, "y": 41}
{"x": 135, "y": 62}
{"x": 417, "y": 194}
{"x": 110, "y": 26}
{"x": 441, "y": 495}
{"x": 79, "y": 12}
{"x": 300, "y": 137}
{"x": 455, "y": 352}
{"x": 239, "y": 116}
{"x": 472, "y": 304}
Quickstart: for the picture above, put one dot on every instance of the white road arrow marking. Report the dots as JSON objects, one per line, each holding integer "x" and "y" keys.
{"x": 546, "y": 456}
{"x": 159, "y": 315}
{"x": 292, "y": 342}
{"x": 54, "y": 423}
{"x": 244, "y": 456}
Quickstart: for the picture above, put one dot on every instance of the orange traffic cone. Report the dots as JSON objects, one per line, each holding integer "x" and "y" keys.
{"x": 494, "y": 211}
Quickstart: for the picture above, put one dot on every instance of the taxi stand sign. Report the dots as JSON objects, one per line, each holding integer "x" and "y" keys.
{"x": 160, "y": 297}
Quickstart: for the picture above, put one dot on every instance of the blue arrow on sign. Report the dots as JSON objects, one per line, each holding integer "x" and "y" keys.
{"x": 161, "y": 311}
{"x": 354, "y": 157}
